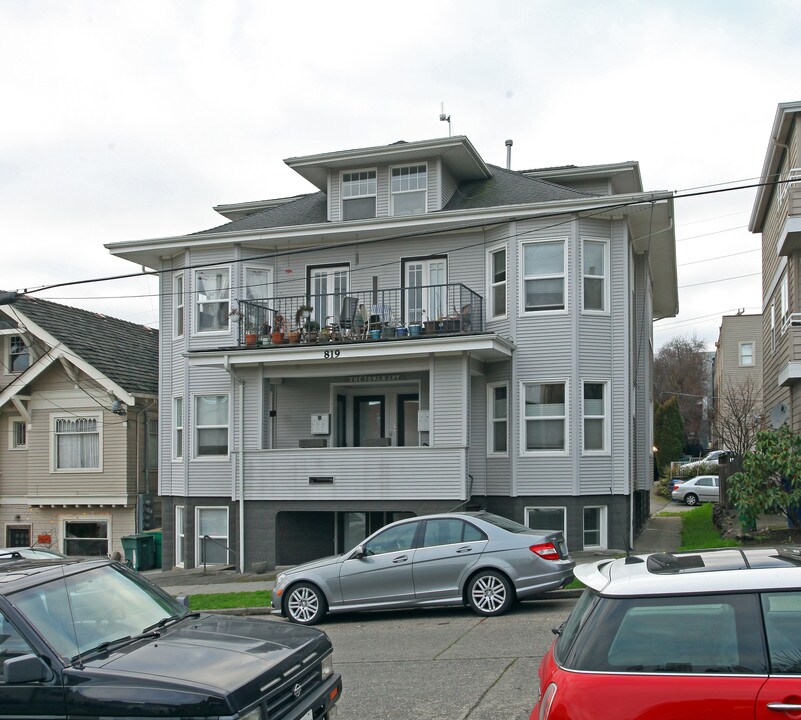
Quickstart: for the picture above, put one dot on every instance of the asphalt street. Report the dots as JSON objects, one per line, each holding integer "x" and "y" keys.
{"x": 446, "y": 664}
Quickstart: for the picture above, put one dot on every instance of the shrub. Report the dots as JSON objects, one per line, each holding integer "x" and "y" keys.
{"x": 687, "y": 473}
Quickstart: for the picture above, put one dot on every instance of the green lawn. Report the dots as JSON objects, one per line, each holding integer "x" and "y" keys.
{"x": 220, "y": 601}
{"x": 698, "y": 531}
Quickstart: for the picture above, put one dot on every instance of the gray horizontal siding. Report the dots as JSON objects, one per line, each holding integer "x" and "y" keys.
{"x": 421, "y": 473}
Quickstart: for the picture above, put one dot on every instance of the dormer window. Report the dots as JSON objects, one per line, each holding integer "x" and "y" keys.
{"x": 408, "y": 190}
{"x": 358, "y": 195}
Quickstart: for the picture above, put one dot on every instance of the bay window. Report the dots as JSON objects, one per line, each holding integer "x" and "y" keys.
{"x": 213, "y": 296}
{"x": 211, "y": 425}
{"x": 544, "y": 416}
{"x": 543, "y": 264}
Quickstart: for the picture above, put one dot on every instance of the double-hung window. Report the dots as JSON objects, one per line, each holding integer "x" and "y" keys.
{"x": 211, "y": 425}
{"x": 212, "y": 535}
{"x": 328, "y": 287}
{"x": 77, "y": 443}
{"x": 19, "y": 435}
{"x": 543, "y": 266}
{"x": 498, "y": 420}
{"x": 178, "y": 428}
{"x": 19, "y": 357}
{"x": 497, "y": 282}
{"x": 594, "y": 403}
{"x": 545, "y": 416}
{"x": 408, "y": 190}
{"x": 358, "y": 194}
{"x": 594, "y": 264}
{"x": 746, "y": 354}
{"x": 178, "y": 303}
{"x": 213, "y": 295}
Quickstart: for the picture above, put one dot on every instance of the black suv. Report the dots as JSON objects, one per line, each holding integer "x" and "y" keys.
{"x": 91, "y": 638}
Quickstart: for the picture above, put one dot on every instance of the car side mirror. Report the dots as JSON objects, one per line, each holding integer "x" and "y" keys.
{"x": 359, "y": 552}
{"x": 24, "y": 669}
{"x": 183, "y": 600}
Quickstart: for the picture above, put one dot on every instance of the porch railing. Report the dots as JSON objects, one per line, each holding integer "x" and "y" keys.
{"x": 353, "y": 315}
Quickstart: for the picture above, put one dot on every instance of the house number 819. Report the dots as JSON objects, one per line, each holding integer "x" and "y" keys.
{"x": 330, "y": 354}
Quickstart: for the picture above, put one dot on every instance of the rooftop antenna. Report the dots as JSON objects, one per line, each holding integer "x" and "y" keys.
{"x": 445, "y": 118}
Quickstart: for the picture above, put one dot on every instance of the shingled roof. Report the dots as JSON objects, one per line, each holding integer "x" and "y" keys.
{"x": 505, "y": 187}
{"x": 124, "y": 352}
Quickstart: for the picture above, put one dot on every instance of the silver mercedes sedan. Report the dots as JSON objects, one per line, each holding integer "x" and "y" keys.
{"x": 471, "y": 558}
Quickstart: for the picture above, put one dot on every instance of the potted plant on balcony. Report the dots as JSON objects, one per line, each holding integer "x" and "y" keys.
{"x": 302, "y": 315}
{"x": 278, "y": 329}
{"x": 312, "y": 330}
{"x": 251, "y": 337}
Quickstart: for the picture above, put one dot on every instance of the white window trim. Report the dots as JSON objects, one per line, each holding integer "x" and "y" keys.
{"x": 193, "y": 412}
{"x": 183, "y": 511}
{"x": 269, "y": 290}
{"x": 527, "y": 511}
{"x": 198, "y": 543}
{"x": 607, "y": 437}
{"x": 491, "y": 419}
{"x": 740, "y": 346}
{"x": 71, "y": 416}
{"x": 604, "y": 277}
{"x": 12, "y": 421}
{"x": 175, "y": 428}
{"x": 522, "y": 395}
{"x": 523, "y": 277}
{"x": 392, "y": 194}
{"x": 604, "y": 535}
{"x": 9, "y": 339}
{"x": 196, "y": 303}
{"x": 342, "y": 198}
{"x": 491, "y": 284}
{"x": 64, "y": 519}
{"x": 179, "y": 304}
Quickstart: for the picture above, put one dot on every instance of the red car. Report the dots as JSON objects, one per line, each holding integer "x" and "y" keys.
{"x": 707, "y": 634}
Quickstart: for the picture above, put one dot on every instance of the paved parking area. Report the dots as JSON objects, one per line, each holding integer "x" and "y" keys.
{"x": 446, "y": 664}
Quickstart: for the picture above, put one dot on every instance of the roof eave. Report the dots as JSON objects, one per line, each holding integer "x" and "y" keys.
{"x": 778, "y": 136}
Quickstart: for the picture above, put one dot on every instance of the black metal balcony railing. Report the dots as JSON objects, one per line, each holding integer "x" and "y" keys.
{"x": 361, "y": 315}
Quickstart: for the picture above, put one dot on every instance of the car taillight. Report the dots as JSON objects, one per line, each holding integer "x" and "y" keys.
{"x": 546, "y": 701}
{"x": 546, "y": 551}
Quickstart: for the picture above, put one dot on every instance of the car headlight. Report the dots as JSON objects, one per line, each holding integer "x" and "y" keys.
{"x": 328, "y": 666}
{"x": 254, "y": 714}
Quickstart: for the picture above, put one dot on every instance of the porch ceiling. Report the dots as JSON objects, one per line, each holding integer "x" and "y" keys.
{"x": 488, "y": 348}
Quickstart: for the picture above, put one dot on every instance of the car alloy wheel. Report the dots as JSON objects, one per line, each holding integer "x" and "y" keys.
{"x": 691, "y": 499}
{"x": 490, "y": 593}
{"x": 305, "y": 604}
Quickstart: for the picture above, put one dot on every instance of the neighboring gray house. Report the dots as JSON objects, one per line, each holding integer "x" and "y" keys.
{"x": 527, "y": 391}
{"x": 78, "y": 414}
{"x": 777, "y": 216}
{"x": 738, "y": 378}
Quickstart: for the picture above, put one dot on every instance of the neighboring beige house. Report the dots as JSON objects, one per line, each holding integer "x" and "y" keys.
{"x": 777, "y": 216}
{"x": 737, "y": 395}
{"x": 78, "y": 422}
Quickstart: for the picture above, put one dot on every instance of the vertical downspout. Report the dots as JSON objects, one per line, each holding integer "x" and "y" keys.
{"x": 240, "y": 462}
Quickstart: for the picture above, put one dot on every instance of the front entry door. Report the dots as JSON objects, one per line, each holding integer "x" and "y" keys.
{"x": 368, "y": 419}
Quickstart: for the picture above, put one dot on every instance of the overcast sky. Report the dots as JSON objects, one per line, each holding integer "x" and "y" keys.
{"x": 130, "y": 120}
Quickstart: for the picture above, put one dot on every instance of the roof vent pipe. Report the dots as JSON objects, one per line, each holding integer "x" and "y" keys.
{"x": 509, "y": 154}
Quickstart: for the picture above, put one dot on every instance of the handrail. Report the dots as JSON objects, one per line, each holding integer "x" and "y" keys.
{"x": 216, "y": 542}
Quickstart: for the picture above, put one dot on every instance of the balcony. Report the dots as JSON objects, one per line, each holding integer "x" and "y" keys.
{"x": 393, "y": 314}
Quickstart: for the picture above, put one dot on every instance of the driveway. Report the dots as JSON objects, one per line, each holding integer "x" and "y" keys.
{"x": 447, "y": 664}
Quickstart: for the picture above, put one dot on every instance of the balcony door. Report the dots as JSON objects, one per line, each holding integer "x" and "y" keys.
{"x": 425, "y": 289}
{"x": 327, "y": 287}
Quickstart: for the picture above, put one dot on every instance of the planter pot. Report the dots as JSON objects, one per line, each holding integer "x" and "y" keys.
{"x": 375, "y": 334}
{"x": 251, "y": 339}
{"x": 389, "y": 332}
{"x": 414, "y": 330}
{"x": 430, "y": 326}
{"x": 277, "y": 338}
{"x": 401, "y": 331}
{"x": 311, "y": 338}
{"x": 293, "y": 336}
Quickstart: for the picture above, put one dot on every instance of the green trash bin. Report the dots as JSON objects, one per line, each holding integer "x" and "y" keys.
{"x": 157, "y": 540}
{"x": 139, "y": 551}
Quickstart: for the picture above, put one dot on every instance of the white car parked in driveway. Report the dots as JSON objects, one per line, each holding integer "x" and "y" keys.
{"x": 711, "y": 458}
{"x": 703, "y": 488}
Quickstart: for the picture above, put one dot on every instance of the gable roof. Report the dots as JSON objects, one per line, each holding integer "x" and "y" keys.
{"x": 126, "y": 353}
